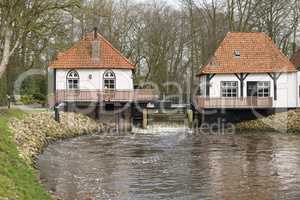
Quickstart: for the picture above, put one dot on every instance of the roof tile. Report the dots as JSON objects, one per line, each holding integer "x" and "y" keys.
{"x": 296, "y": 59}
{"x": 258, "y": 54}
{"x": 79, "y": 56}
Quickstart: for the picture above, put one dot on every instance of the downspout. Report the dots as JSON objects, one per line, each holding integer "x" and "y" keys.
{"x": 297, "y": 89}
{"x": 56, "y": 105}
{"x": 54, "y": 86}
{"x": 54, "y": 81}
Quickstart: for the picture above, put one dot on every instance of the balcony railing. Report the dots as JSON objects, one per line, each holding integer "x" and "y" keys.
{"x": 139, "y": 95}
{"x": 234, "y": 103}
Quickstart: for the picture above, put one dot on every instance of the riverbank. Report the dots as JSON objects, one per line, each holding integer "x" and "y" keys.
{"x": 18, "y": 181}
{"x": 23, "y": 136}
{"x": 37, "y": 130}
{"x": 284, "y": 122}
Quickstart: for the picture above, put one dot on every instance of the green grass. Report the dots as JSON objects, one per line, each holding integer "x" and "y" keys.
{"x": 18, "y": 181}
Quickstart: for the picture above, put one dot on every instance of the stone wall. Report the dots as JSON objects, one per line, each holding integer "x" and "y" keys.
{"x": 36, "y": 130}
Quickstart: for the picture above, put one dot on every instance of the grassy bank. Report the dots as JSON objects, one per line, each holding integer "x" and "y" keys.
{"x": 23, "y": 136}
{"x": 18, "y": 180}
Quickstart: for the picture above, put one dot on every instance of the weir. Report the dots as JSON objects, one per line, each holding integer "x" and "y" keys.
{"x": 124, "y": 116}
{"x": 154, "y": 117}
{"x": 166, "y": 114}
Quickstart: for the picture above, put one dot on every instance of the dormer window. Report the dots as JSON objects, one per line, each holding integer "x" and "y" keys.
{"x": 237, "y": 53}
{"x": 213, "y": 62}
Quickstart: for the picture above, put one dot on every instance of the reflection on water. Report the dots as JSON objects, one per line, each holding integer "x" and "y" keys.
{"x": 174, "y": 166}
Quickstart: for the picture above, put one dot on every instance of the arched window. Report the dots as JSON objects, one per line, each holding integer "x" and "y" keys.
{"x": 109, "y": 78}
{"x": 73, "y": 80}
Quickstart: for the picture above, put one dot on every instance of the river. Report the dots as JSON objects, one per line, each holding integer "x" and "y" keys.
{"x": 174, "y": 166}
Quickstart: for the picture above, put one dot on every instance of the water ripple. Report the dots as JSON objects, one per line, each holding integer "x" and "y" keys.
{"x": 174, "y": 166}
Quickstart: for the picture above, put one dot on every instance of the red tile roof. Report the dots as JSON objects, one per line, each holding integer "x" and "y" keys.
{"x": 80, "y": 56}
{"x": 258, "y": 54}
{"x": 296, "y": 59}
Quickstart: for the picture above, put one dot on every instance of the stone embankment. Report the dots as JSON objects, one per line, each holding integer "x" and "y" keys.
{"x": 36, "y": 130}
{"x": 284, "y": 122}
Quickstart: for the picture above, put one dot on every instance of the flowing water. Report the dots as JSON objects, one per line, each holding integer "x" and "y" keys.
{"x": 174, "y": 166}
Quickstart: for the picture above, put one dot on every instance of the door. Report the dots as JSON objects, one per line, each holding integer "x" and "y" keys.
{"x": 252, "y": 91}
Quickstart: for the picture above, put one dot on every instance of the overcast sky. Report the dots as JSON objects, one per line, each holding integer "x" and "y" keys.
{"x": 171, "y": 2}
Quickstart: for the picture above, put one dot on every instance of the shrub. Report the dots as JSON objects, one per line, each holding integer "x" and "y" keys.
{"x": 39, "y": 98}
{"x": 27, "y": 99}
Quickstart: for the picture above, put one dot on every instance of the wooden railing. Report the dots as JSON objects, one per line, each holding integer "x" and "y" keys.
{"x": 246, "y": 102}
{"x": 139, "y": 95}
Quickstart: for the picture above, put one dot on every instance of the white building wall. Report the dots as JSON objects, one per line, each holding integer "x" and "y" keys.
{"x": 287, "y": 87}
{"x": 287, "y": 91}
{"x": 124, "y": 79}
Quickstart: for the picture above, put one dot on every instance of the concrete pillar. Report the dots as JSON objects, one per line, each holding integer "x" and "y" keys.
{"x": 118, "y": 122}
{"x": 131, "y": 110}
{"x": 190, "y": 116}
{"x": 128, "y": 119}
{"x": 97, "y": 111}
{"x": 145, "y": 118}
{"x": 66, "y": 106}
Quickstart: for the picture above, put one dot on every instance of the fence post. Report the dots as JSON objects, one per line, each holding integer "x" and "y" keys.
{"x": 56, "y": 113}
{"x": 8, "y": 101}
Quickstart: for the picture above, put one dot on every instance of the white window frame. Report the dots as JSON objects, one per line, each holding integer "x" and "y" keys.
{"x": 73, "y": 80}
{"x": 109, "y": 80}
{"x": 229, "y": 89}
{"x": 264, "y": 89}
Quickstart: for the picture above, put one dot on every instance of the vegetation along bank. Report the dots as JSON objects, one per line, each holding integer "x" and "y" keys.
{"x": 22, "y": 137}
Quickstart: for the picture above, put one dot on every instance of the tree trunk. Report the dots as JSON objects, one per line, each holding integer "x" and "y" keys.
{"x": 6, "y": 51}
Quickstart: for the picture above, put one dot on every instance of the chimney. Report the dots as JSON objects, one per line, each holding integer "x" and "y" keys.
{"x": 95, "y": 47}
{"x": 95, "y": 33}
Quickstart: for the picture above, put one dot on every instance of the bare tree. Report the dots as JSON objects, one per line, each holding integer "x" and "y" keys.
{"x": 19, "y": 18}
{"x": 240, "y": 14}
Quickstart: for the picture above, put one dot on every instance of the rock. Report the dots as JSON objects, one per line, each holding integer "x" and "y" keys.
{"x": 285, "y": 122}
{"x": 37, "y": 130}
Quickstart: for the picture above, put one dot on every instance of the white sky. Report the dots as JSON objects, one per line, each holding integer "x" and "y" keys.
{"x": 175, "y": 3}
